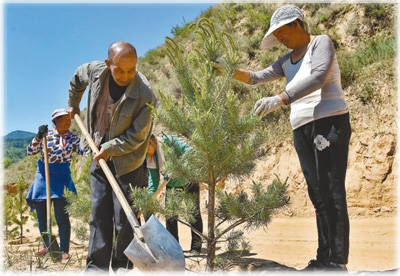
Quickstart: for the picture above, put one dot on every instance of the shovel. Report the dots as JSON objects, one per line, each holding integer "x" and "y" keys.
{"x": 50, "y": 240}
{"x": 153, "y": 248}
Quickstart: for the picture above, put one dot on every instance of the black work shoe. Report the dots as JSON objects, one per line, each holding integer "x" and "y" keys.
{"x": 336, "y": 267}
{"x": 315, "y": 265}
{"x": 194, "y": 252}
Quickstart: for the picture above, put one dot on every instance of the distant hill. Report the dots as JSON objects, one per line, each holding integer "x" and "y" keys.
{"x": 15, "y": 144}
{"x": 19, "y": 135}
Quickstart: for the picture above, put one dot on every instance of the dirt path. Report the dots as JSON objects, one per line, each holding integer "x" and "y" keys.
{"x": 291, "y": 242}
{"x": 288, "y": 244}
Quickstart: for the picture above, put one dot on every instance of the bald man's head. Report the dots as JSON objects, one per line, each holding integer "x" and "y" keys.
{"x": 122, "y": 59}
{"x": 120, "y": 48}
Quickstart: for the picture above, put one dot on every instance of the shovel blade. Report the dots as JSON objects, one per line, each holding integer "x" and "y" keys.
{"x": 165, "y": 254}
{"x": 52, "y": 247}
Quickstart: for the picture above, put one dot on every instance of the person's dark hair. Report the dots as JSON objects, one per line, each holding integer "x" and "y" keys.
{"x": 301, "y": 23}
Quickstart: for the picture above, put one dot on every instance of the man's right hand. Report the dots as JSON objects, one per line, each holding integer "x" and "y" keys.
{"x": 73, "y": 110}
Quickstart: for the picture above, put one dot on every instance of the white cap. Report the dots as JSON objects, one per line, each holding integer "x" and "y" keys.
{"x": 281, "y": 17}
{"x": 58, "y": 112}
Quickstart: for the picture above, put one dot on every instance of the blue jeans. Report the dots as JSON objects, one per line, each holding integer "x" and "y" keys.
{"x": 62, "y": 219}
{"x": 322, "y": 147}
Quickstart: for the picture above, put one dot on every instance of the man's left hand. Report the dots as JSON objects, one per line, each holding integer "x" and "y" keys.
{"x": 101, "y": 155}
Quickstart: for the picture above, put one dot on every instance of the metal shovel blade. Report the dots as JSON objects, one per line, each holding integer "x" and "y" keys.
{"x": 52, "y": 246}
{"x": 162, "y": 244}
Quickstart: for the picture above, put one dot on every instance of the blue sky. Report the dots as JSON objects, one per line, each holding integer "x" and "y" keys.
{"x": 45, "y": 42}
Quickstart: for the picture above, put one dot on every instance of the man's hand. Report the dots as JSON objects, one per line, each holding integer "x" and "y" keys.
{"x": 151, "y": 148}
{"x": 267, "y": 105}
{"x": 73, "y": 110}
{"x": 101, "y": 155}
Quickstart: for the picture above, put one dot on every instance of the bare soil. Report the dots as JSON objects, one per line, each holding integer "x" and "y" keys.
{"x": 285, "y": 246}
{"x": 289, "y": 241}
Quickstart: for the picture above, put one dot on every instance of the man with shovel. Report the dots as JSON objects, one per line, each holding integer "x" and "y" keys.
{"x": 119, "y": 121}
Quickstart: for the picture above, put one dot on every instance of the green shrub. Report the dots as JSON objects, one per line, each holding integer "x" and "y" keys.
{"x": 7, "y": 162}
{"x": 80, "y": 204}
{"x": 376, "y": 11}
{"x": 154, "y": 56}
{"x": 373, "y": 50}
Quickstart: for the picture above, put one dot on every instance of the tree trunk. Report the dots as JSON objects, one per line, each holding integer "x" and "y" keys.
{"x": 211, "y": 243}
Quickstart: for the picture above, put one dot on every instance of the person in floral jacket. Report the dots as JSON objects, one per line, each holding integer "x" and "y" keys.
{"x": 61, "y": 144}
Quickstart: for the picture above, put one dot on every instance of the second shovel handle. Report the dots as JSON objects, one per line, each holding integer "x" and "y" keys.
{"x": 47, "y": 176}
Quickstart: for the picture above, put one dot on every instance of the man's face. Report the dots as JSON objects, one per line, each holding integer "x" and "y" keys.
{"x": 123, "y": 68}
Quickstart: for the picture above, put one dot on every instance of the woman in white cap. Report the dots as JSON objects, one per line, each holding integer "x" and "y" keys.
{"x": 61, "y": 144}
{"x": 320, "y": 121}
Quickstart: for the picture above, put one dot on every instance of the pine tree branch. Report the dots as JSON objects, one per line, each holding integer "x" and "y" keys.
{"x": 220, "y": 223}
{"x": 194, "y": 229}
{"x": 173, "y": 114}
{"x": 237, "y": 223}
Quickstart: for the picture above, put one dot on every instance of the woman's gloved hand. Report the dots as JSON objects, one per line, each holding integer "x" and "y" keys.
{"x": 43, "y": 129}
{"x": 267, "y": 105}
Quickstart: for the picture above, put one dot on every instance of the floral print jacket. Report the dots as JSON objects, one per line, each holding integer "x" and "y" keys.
{"x": 60, "y": 147}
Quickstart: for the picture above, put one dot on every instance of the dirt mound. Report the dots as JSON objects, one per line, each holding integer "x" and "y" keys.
{"x": 371, "y": 182}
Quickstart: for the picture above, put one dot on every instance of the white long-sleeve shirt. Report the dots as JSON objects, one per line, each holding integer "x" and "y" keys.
{"x": 313, "y": 83}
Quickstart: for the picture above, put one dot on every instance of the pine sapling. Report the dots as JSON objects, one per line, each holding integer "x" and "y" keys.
{"x": 224, "y": 134}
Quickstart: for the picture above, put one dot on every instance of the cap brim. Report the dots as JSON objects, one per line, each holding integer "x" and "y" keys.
{"x": 60, "y": 114}
{"x": 269, "y": 39}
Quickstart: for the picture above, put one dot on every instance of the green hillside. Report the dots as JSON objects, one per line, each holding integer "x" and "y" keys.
{"x": 19, "y": 135}
{"x": 363, "y": 34}
{"x": 15, "y": 144}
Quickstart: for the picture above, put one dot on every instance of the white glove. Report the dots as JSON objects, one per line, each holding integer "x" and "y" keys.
{"x": 267, "y": 105}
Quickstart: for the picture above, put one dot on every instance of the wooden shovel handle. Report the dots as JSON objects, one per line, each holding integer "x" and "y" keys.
{"x": 47, "y": 176}
{"x": 114, "y": 184}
